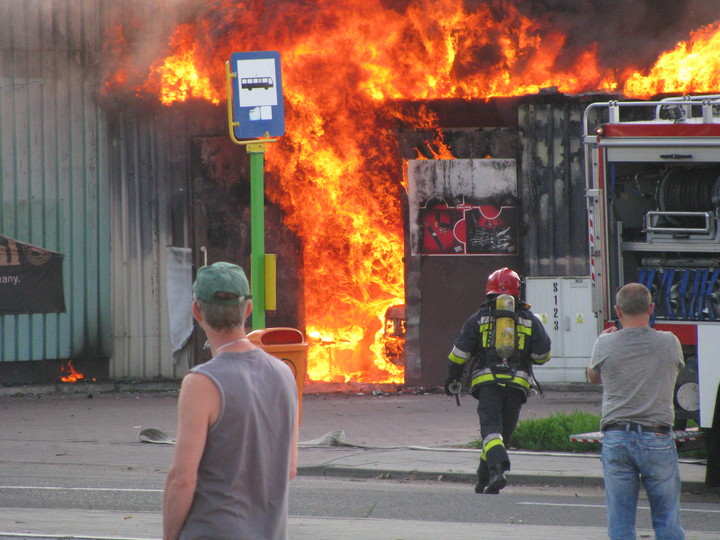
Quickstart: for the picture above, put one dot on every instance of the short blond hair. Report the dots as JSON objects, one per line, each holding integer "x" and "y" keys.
{"x": 223, "y": 316}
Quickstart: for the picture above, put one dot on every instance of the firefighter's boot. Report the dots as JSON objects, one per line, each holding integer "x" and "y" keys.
{"x": 483, "y": 476}
{"x": 497, "y": 479}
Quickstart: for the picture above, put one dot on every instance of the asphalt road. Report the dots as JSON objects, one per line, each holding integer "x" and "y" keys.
{"x": 447, "y": 501}
{"x": 73, "y": 463}
{"x": 354, "y": 499}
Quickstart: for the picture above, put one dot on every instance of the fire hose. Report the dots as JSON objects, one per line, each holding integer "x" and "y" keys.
{"x": 455, "y": 387}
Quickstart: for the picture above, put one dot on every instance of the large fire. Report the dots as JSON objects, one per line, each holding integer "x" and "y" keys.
{"x": 346, "y": 64}
{"x": 692, "y": 67}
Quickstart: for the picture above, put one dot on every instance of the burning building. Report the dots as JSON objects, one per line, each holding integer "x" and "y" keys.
{"x": 114, "y": 151}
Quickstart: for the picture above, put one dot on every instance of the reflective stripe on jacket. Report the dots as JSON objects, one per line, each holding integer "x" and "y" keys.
{"x": 484, "y": 376}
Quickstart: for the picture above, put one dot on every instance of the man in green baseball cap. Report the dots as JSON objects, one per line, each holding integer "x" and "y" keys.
{"x": 222, "y": 301}
{"x": 236, "y": 444}
{"x": 221, "y": 283}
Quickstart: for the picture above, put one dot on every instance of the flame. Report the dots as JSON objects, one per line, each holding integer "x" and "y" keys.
{"x": 692, "y": 66}
{"x": 180, "y": 76}
{"x": 347, "y": 66}
{"x": 71, "y": 374}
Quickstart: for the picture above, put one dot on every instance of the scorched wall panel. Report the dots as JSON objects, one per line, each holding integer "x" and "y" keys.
{"x": 53, "y": 160}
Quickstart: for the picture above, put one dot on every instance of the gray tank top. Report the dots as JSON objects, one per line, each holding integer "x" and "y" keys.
{"x": 242, "y": 486}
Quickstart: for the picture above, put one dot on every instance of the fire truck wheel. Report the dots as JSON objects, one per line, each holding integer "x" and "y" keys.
{"x": 687, "y": 395}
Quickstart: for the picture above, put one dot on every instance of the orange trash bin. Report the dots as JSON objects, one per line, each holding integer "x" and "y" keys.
{"x": 287, "y": 344}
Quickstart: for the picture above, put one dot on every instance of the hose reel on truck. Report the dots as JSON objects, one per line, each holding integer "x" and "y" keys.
{"x": 684, "y": 285}
{"x": 687, "y": 200}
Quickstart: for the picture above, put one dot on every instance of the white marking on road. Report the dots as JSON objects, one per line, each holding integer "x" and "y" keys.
{"x": 56, "y": 488}
{"x": 54, "y": 535}
{"x": 531, "y": 503}
{"x": 562, "y": 504}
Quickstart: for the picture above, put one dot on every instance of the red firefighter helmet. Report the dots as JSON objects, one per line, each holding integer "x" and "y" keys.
{"x": 503, "y": 281}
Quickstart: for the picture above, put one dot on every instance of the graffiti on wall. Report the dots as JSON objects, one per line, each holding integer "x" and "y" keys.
{"x": 467, "y": 229}
{"x": 463, "y": 207}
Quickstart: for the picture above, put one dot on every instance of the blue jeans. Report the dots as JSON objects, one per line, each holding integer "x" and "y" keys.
{"x": 629, "y": 458}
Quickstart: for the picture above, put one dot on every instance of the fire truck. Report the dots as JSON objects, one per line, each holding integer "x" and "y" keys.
{"x": 653, "y": 199}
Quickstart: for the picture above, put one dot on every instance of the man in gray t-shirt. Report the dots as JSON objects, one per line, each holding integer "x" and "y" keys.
{"x": 637, "y": 366}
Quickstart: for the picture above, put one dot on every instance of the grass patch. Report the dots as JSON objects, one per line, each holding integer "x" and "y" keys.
{"x": 691, "y": 451}
{"x": 552, "y": 434}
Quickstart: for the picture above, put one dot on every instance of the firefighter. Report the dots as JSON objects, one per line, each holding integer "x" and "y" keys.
{"x": 498, "y": 346}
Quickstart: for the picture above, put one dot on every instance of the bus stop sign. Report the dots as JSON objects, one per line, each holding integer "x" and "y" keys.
{"x": 257, "y": 99}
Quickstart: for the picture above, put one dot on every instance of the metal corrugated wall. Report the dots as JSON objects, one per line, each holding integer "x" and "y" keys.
{"x": 53, "y": 161}
{"x": 105, "y": 183}
{"x": 150, "y": 183}
{"x": 552, "y": 187}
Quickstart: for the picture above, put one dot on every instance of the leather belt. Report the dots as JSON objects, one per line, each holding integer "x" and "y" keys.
{"x": 637, "y": 428}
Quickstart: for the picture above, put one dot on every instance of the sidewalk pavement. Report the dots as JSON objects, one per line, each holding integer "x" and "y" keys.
{"x": 421, "y": 463}
{"x": 370, "y": 435}
{"x": 419, "y": 436}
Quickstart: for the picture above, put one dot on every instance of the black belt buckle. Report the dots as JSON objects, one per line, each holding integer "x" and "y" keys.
{"x": 501, "y": 369}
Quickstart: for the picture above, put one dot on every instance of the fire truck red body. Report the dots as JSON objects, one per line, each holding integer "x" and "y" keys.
{"x": 653, "y": 192}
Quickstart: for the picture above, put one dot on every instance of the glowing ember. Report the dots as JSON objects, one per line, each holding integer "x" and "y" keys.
{"x": 346, "y": 66}
{"x": 71, "y": 375}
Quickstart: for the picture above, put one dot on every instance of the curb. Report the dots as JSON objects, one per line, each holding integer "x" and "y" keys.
{"x": 450, "y": 476}
{"x": 90, "y": 388}
{"x": 464, "y": 477}
{"x": 170, "y": 385}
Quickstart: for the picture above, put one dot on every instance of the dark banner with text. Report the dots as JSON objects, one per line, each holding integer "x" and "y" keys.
{"x": 31, "y": 279}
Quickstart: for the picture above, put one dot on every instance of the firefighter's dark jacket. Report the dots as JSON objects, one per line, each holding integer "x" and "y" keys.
{"x": 474, "y": 346}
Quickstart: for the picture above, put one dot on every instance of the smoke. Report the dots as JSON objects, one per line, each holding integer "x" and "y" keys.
{"x": 627, "y": 32}
{"x": 137, "y": 35}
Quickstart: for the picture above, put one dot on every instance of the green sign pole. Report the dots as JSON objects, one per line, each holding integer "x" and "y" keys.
{"x": 270, "y": 98}
{"x": 257, "y": 233}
